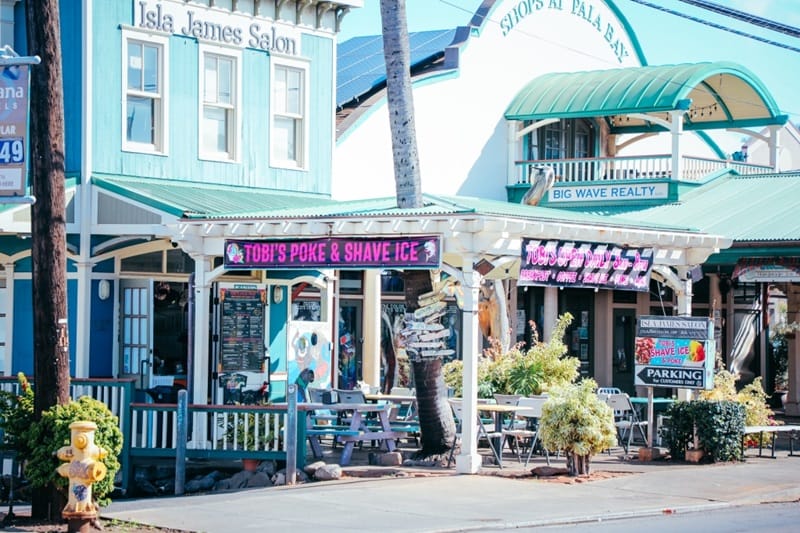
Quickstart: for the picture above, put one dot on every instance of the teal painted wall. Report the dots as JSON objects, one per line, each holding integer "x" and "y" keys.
{"x": 182, "y": 160}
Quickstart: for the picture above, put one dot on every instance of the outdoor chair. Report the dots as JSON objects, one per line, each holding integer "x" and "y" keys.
{"x": 486, "y": 431}
{"x": 627, "y": 421}
{"x": 531, "y": 414}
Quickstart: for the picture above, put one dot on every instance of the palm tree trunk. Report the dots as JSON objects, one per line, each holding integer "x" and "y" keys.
{"x": 436, "y": 420}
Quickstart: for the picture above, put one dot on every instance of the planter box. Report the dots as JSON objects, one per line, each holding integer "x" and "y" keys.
{"x": 694, "y": 456}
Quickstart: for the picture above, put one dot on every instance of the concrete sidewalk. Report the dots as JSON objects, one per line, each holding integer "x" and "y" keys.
{"x": 449, "y": 502}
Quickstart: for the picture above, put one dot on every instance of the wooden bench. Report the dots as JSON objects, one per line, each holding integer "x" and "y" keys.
{"x": 792, "y": 431}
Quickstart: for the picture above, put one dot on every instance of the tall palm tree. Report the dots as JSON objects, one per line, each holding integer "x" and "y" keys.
{"x": 436, "y": 420}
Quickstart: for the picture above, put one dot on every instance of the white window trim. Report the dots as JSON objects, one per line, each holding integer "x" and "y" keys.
{"x": 162, "y": 135}
{"x": 303, "y": 162}
{"x": 235, "y": 129}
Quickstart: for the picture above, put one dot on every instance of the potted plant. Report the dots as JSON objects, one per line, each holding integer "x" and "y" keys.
{"x": 576, "y": 421}
{"x": 249, "y": 431}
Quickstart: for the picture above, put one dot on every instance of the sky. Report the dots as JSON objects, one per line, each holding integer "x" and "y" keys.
{"x": 663, "y": 37}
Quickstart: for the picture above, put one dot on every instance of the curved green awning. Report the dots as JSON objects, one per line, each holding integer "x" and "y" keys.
{"x": 714, "y": 94}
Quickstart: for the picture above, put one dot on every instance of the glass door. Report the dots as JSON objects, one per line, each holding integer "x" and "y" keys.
{"x": 350, "y": 344}
{"x": 136, "y": 331}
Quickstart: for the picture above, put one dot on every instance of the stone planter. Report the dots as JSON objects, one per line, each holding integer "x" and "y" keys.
{"x": 694, "y": 456}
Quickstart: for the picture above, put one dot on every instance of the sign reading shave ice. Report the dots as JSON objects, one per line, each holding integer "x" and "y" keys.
{"x": 331, "y": 252}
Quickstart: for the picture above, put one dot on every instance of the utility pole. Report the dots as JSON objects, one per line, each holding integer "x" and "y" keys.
{"x": 48, "y": 222}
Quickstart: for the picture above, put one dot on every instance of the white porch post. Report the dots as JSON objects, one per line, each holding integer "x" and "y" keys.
{"x": 469, "y": 461}
{"x": 371, "y": 347}
{"x": 792, "y": 407}
{"x": 550, "y": 313}
{"x": 9, "y": 322}
{"x": 84, "y": 311}
{"x": 199, "y": 370}
{"x": 774, "y": 147}
{"x": 677, "y": 130}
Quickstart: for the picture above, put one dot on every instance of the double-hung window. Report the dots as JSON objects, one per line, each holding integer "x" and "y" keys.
{"x": 289, "y": 115}
{"x": 219, "y": 105}
{"x": 144, "y": 85}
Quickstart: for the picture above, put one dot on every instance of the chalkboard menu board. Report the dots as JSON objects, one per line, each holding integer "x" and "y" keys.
{"x": 242, "y": 329}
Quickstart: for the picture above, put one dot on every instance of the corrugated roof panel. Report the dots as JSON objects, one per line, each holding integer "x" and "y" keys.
{"x": 361, "y": 66}
{"x": 743, "y": 208}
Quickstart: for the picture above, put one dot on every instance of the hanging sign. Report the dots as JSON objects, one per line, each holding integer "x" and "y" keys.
{"x": 585, "y": 264}
{"x": 675, "y": 352}
{"x": 334, "y": 252}
{"x": 14, "y": 92}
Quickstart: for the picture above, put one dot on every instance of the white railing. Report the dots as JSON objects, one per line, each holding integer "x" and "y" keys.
{"x": 240, "y": 429}
{"x": 631, "y": 167}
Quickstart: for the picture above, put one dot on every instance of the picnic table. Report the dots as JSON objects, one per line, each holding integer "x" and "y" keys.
{"x": 357, "y": 429}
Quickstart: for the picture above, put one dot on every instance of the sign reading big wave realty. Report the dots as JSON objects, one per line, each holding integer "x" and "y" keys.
{"x": 675, "y": 351}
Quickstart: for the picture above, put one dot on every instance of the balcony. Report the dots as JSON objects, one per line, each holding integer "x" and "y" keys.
{"x": 650, "y": 167}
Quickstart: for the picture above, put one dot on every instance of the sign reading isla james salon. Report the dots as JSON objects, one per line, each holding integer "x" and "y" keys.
{"x": 334, "y": 252}
{"x": 585, "y": 264}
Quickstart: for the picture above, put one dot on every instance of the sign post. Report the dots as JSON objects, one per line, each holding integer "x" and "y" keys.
{"x": 14, "y": 106}
{"x": 676, "y": 352}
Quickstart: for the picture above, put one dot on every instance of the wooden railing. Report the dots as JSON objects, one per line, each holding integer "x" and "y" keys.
{"x": 214, "y": 431}
{"x": 582, "y": 170}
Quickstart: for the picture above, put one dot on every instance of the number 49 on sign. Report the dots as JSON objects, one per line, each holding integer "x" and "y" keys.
{"x": 12, "y": 151}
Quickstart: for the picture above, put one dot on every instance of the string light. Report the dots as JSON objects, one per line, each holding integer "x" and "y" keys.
{"x": 709, "y": 110}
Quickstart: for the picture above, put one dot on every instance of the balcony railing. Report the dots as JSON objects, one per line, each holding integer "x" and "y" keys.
{"x": 589, "y": 169}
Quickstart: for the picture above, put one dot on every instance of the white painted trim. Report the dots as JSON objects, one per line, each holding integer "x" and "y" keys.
{"x": 235, "y": 129}
{"x": 305, "y": 67}
{"x": 162, "y": 41}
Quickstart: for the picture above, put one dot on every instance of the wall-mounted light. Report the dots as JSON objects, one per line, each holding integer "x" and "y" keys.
{"x": 277, "y": 294}
{"x": 104, "y": 289}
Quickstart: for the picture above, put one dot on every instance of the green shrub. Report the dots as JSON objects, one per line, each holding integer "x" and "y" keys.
{"x": 16, "y": 416}
{"x": 518, "y": 371}
{"x": 576, "y": 421}
{"x": 752, "y": 397}
{"x": 719, "y": 426}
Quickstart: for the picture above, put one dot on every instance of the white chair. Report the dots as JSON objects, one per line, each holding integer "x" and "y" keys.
{"x": 484, "y": 431}
{"x": 627, "y": 421}
{"x": 531, "y": 412}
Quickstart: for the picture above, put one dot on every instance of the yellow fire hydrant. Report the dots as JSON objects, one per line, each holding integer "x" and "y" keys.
{"x": 84, "y": 468}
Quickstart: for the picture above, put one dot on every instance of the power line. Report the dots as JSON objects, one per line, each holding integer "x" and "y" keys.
{"x": 746, "y": 17}
{"x": 716, "y": 26}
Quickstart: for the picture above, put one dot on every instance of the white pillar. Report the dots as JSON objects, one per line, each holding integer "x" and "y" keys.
{"x": 202, "y": 315}
{"x": 9, "y": 323}
{"x": 83, "y": 312}
{"x": 469, "y": 461}
{"x": 774, "y": 147}
{"x": 550, "y": 313}
{"x": 677, "y": 131}
{"x": 371, "y": 347}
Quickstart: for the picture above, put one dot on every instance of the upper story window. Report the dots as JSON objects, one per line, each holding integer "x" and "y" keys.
{"x": 564, "y": 139}
{"x": 289, "y": 115}
{"x": 219, "y": 105}
{"x": 144, "y": 98}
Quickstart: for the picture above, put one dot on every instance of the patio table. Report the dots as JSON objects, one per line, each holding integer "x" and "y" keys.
{"x": 358, "y": 430}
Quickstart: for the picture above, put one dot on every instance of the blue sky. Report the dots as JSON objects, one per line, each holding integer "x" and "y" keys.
{"x": 664, "y": 38}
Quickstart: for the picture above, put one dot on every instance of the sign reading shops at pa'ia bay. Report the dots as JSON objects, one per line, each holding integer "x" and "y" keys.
{"x": 335, "y": 252}
{"x": 674, "y": 351}
{"x": 585, "y": 264}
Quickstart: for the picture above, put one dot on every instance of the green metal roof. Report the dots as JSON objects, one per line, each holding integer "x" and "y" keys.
{"x": 715, "y": 94}
{"x": 752, "y": 209}
{"x": 199, "y": 201}
{"x": 193, "y": 200}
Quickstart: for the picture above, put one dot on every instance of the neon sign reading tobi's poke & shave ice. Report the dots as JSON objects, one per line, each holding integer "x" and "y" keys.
{"x": 331, "y": 252}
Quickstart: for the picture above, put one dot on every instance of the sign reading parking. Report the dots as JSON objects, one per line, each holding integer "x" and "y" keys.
{"x": 14, "y": 93}
{"x": 684, "y": 378}
{"x": 672, "y": 351}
